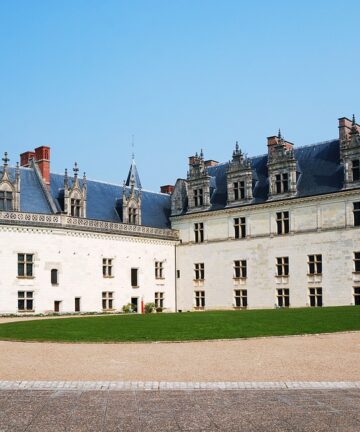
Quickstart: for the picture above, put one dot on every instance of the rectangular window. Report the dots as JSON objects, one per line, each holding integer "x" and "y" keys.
{"x": 75, "y": 207}
{"x": 159, "y": 270}
{"x": 315, "y": 264}
{"x": 132, "y": 215}
{"x": 357, "y": 261}
{"x": 77, "y": 304}
{"x": 283, "y": 297}
{"x": 199, "y": 271}
{"x": 357, "y": 296}
{"x": 178, "y": 274}
{"x": 54, "y": 277}
{"x": 198, "y": 197}
{"x": 25, "y": 301}
{"x": 282, "y": 183}
{"x": 240, "y": 269}
{"x": 107, "y": 265}
{"x": 200, "y": 299}
{"x": 240, "y": 227}
{"x": 159, "y": 300}
{"x": 239, "y": 190}
{"x": 315, "y": 297}
{"x": 356, "y": 213}
{"x": 134, "y": 277}
{"x": 355, "y": 170}
{"x": 282, "y": 222}
{"x": 241, "y": 298}
{"x": 282, "y": 266}
{"x": 25, "y": 265}
{"x": 57, "y": 305}
{"x": 6, "y": 201}
{"x": 107, "y": 300}
{"x": 199, "y": 232}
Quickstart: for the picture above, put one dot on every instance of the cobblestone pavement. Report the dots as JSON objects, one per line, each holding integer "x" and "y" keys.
{"x": 195, "y": 410}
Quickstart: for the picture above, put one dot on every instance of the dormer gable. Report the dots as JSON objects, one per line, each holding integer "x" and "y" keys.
{"x": 239, "y": 178}
{"x": 349, "y": 136}
{"x": 198, "y": 182}
{"x": 281, "y": 167}
{"x": 131, "y": 197}
{"x": 75, "y": 194}
{"x": 9, "y": 189}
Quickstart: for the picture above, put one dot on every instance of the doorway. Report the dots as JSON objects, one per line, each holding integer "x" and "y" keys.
{"x": 77, "y": 304}
{"x": 57, "y": 304}
{"x": 134, "y": 303}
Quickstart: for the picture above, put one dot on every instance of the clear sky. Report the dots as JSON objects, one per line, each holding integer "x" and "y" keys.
{"x": 179, "y": 75}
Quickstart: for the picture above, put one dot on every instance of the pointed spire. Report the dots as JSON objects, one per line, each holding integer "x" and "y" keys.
{"x": 84, "y": 179}
{"x": 133, "y": 172}
{"x": 201, "y": 154}
{"x": 279, "y": 134}
{"x": 354, "y": 129}
{"x": 75, "y": 169}
{"x": 17, "y": 171}
{"x": 237, "y": 146}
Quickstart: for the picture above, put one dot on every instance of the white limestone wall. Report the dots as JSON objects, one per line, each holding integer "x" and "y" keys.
{"x": 323, "y": 226}
{"x": 78, "y": 257}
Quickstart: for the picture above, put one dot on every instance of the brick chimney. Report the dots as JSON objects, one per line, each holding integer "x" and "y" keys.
{"x": 167, "y": 189}
{"x": 275, "y": 140}
{"x": 345, "y": 125}
{"x": 211, "y": 163}
{"x": 42, "y": 157}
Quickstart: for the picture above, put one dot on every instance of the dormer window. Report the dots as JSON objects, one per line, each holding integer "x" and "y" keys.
{"x": 6, "y": 201}
{"x": 75, "y": 207}
{"x": 198, "y": 197}
{"x": 282, "y": 183}
{"x": 239, "y": 190}
{"x": 132, "y": 215}
{"x": 355, "y": 169}
{"x": 131, "y": 197}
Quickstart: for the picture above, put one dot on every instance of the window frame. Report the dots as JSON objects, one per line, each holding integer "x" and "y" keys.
{"x": 283, "y": 297}
{"x": 239, "y": 269}
{"x": 107, "y": 267}
{"x": 356, "y": 213}
{"x": 134, "y": 274}
{"x": 27, "y": 265}
{"x": 315, "y": 266}
{"x": 6, "y": 204}
{"x": 159, "y": 270}
{"x": 283, "y": 222}
{"x": 159, "y": 298}
{"x": 107, "y": 300}
{"x": 282, "y": 266}
{"x": 315, "y": 297}
{"x": 199, "y": 232}
{"x": 199, "y": 271}
{"x": 199, "y": 299}
{"x": 240, "y": 298}
{"x": 239, "y": 224}
{"x": 26, "y": 299}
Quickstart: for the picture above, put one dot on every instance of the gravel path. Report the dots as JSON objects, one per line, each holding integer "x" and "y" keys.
{"x": 328, "y": 357}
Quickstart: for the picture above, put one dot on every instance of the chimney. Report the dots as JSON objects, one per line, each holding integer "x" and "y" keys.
{"x": 42, "y": 156}
{"x": 273, "y": 141}
{"x": 210, "y": 163}
{"x": 345, "y": 127}
{"x": 167, "y": 189}
{"x": 25, "y": 158}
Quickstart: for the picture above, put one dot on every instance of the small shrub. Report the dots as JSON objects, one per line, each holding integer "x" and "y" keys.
{"x": 149, "y": 307}
{"x": 127, "y": 308}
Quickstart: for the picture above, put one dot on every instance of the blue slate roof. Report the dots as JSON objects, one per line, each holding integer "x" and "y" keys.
{"x": 133, "y": 172}
{"x": 318, "y": 172}
{"x": 103, "y": 200}
{"x": 32, "y": 197}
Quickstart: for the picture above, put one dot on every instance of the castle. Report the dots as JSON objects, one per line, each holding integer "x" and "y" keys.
{"x": 277, "y": 230}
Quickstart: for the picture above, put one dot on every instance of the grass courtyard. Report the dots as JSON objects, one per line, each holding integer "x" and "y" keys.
{"x": 185, "y": 326}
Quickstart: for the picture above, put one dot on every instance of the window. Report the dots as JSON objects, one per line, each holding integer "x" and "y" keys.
{"x": 239, "y": 190}
{"x": 25, "y": 301}
{"x": 356, "y": 213}
{"x": 159, "y": 300}
{"x": 107, "y": 267}
{"x": 357, "y": 261}
{"x": 6, "y": 201}
{"x": 282, "y": 183}
{"x": 240, "y": 227}
{"x": 199, "y": 271}
{"x": 355, "y": 170}
{"x": 315, "y": 264}
{"x": 54, "y": 277}
{"x": 132, "y": 215}
{"x": 282, "y": 222}
{"x": 282, "y": 266}
{"x": 25, "y": 265}
{"x": 75, "y": 207}
{"x": 240, "y": 269}
{"x": 134, "y": 277}
{"x": 199, "y": 232}
{"x": 159, "y": 270}
{"x": 283, "y": 297}
{"x": 200, "y": 299}
{"x": 241, "y": 298}
{"x": 178, "y": 274}
{"x": 315, "y": 296}
{"x": 198, "y": 197}
{"x": 357, "y": 296}
{"x": 57, "y": 305}
{"x": 107, "y": 300}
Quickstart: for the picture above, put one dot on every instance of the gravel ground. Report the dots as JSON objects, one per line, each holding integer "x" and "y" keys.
{"x": 327, "y": 357}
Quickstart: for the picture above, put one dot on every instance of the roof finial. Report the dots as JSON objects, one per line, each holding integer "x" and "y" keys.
{"x": 75, "y": 169}
{"x": 201, "y": 154}
{"x": 6, "y": 160}
{"x": 237, "y": 146}
{"x": 354, "y": 129}
{"x": 353, "y": 120}
{"x": 279, "y": 134}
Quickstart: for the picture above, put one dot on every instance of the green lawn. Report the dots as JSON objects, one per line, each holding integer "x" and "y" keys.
{"x": 186, "y": 326}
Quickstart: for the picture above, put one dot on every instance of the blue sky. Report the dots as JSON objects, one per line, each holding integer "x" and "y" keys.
{"x": 84, "y": 76}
